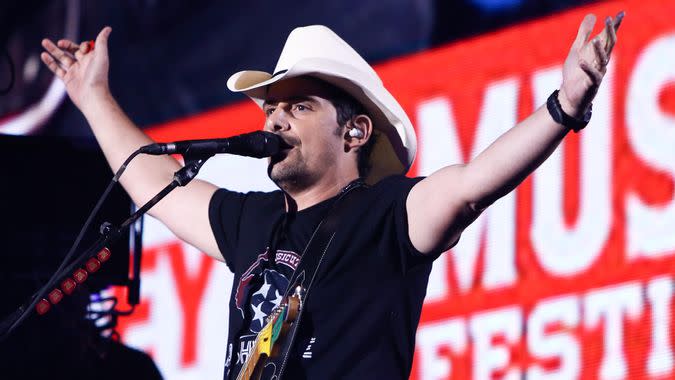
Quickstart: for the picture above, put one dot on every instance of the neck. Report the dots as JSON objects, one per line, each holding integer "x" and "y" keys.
{"x": 317, "y": 193}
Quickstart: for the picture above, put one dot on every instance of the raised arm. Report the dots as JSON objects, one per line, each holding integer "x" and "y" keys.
{"x": 441, "y": 206}
{"x": 84, "y": 71}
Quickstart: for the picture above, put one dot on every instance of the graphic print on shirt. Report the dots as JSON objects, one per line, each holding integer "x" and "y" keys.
{"x": 267, "y": 298}
{"x": 308, "y": 351}
{"x": 259, "y": 291}
{"x": 267, "y": 284}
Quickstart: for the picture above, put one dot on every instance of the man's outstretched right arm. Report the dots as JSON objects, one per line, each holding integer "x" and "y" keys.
{"x": 84, "y": 72}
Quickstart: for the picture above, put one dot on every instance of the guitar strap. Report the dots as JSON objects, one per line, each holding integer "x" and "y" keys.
{"x": 312, "y": 257}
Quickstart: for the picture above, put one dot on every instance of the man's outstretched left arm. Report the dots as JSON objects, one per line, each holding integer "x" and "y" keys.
{"x": 442, "y": 205}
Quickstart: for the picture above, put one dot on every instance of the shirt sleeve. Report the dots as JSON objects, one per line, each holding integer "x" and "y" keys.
{"x": 225, "y": 210}
{"x": 411, "y": 257}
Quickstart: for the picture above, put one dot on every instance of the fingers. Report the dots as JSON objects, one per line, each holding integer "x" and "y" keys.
{"x": 611, "y": 36}
{"x": 71, "y": 47}
{"x": 592, "y": 71}
{"x": 82, "y": 50}
{"x": 102, "y": 39}
{"x": 602, "y": 57}
{"x": 612, "y": 27}
{"x": 585, "y": 30}
{"x": 67, "y": 45}
{"x": 52, "y": 65}
{"x": 62, "y": 58}
{"x": 603, "y": 44}
{"x": 617, "y": 20}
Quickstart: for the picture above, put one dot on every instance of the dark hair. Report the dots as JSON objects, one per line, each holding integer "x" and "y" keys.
{"x": 348, "y": 108}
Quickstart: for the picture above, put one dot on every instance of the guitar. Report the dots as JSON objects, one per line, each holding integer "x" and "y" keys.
{"x": 269, "y": 340}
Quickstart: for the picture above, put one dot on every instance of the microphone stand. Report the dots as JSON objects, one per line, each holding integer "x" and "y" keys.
{"x": 110, "y": 234}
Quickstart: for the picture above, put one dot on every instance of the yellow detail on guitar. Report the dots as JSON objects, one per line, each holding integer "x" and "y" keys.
{"x": 265, "y": 338}
{"x": 263, "y": 348}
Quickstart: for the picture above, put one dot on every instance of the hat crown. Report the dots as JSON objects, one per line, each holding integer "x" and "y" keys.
{"x": 318, "y": 41}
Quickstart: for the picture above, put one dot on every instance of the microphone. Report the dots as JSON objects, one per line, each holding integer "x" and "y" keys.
{"x": 254, "y": 144}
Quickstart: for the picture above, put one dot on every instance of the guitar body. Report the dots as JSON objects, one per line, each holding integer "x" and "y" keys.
{"x": 272, "y": 338}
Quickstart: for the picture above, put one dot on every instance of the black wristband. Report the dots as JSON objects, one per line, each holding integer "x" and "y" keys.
{"x": 560, "y": 117}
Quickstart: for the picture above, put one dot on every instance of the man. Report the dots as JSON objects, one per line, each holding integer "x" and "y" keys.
{"x": 341, "y": 124}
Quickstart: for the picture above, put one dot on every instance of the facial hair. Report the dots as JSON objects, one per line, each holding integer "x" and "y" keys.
{"x": 289, "y": 169}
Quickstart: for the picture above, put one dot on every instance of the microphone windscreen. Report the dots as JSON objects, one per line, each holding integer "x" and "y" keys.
{"x": 257, "y": 144}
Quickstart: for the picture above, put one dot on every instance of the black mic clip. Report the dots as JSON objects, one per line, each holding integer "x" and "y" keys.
{"x": 188, "y": 172}
{"x": 106, "y": 228}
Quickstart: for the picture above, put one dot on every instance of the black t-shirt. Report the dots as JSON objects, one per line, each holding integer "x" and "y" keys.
{"x": 360, "y": 319}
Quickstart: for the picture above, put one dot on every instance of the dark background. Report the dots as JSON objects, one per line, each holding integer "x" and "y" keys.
{"x": 171, "y": 58}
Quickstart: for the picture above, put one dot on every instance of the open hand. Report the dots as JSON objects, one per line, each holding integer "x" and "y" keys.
{"x": 586, "y": 64}
{"x": 83, "y": 70}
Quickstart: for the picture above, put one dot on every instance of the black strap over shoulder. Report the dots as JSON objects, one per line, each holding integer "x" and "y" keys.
{"x": 314, "y": 255}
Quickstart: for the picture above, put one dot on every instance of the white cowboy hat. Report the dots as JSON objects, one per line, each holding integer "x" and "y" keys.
{"x": 318, "y": 52}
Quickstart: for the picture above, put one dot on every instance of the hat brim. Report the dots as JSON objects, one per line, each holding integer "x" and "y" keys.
{"x": 393, "y": 154}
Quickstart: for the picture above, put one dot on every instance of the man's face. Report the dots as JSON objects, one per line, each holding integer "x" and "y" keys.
{"x": 299, "y": 111}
